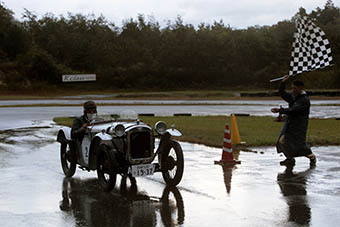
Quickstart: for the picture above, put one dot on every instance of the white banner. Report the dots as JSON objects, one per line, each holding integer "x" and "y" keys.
{"x": 79, "y": 77}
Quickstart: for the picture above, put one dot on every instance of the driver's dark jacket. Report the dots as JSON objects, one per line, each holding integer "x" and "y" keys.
{"x": 295, "y": 127}
{"x": 76, "y": 133}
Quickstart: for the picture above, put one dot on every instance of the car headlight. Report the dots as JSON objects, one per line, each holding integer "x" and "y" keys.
{"x": 118, "y": 130}
{"x": 160, "y": 127}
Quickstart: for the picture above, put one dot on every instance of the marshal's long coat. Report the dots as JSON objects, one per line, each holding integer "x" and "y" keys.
{"x": 296, "y": 124}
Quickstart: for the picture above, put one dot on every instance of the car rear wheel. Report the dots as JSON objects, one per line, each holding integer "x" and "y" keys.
{"x": 172, "y": 163}
{"x": 67, "y": 158}
{"x": 105, "y": 169}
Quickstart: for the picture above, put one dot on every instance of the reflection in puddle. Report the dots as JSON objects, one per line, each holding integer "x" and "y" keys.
{"x": 293, "y": 188}
{"x": 90, "y": 206}
{"x": 34, "y": 137}
{"x": 227, "y": 174}
{"x": 13, "y": 143}
{"x": 30, "y": 192}
{"x": 228, "y": 170}
{"x": 168, "y": 208}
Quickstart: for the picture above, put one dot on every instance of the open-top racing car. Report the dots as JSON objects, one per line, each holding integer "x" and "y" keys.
{"x": 123, "y": 146}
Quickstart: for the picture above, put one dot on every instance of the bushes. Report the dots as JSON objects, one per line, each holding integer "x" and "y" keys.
{"x": 33, "y": 71}
{"x": 11, "y": 79}
{"x": 142, "y": 55}
{"x": 38, "y": 65}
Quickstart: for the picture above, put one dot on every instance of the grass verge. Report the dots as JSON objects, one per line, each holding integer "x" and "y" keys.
{"x": 255, "y": 131}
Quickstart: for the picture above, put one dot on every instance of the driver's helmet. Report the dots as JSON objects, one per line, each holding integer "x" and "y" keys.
{"x": 90, "y": 107}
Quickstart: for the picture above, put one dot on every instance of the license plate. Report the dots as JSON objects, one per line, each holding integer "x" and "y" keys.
{"x": 142, "y": 170}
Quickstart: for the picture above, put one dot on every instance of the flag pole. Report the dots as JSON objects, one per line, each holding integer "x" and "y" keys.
{"x": 276, "y": 79}
{"x": 281, "y": 78}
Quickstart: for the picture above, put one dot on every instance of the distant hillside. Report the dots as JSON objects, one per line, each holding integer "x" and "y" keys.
{"x": 36, "y": 51}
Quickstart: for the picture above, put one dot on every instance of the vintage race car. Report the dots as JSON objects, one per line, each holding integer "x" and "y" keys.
{"x": 123, "y": 146}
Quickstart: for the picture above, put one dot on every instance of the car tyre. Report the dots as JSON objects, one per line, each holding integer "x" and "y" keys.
{"x": 172, "y": 163}
{"x": 67, "y": 159}
{"x": 105, "y": 169}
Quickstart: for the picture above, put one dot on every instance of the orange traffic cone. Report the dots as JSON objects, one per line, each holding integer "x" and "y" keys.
{"x": 227, "y": 151}
{"x": 235, "y": 135}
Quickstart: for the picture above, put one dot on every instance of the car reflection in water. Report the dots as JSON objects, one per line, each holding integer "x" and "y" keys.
{"x": 293, "y": 188}
{"x": 90, "y": 206}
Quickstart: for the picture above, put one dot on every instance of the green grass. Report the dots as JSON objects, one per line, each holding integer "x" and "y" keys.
{"x": 255, "y": 131}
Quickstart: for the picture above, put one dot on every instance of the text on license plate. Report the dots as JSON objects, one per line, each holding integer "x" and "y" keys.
{"x": 142, "y": 170}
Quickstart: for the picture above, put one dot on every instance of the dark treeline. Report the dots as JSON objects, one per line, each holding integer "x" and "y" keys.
{"x": 36, "y": 51}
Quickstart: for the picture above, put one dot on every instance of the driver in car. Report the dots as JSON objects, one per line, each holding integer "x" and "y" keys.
{"x": 81, "y": 123}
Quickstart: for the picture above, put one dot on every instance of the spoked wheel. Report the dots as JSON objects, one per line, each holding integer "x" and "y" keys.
{"x": 172, "y": 163}
{"x": 68, "y": 162}
{"x": 105, "y": 170}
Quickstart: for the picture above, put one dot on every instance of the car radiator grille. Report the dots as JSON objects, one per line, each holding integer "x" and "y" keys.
{"x": 140, "y": 145}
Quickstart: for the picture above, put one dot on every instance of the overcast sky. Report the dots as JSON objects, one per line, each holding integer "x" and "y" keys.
{"x": 236, "y": 13}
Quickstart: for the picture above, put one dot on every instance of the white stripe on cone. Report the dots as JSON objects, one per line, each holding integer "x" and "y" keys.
{"x": 227, "y": 140}
{"x": 227, "y": 149}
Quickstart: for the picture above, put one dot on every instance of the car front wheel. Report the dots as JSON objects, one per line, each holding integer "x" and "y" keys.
{"x": 172, "y": 163}
{"x": 105, "y": 169}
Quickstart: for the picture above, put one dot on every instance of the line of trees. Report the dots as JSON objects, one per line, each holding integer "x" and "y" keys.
{"x": 35, "y": 52}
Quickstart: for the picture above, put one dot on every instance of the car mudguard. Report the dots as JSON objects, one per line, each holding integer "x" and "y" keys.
{"x": 103, "y": 136}
{"x": 64, "y": 133}
{"x": 98, "y": 139}
{"x": 174, "y": 132}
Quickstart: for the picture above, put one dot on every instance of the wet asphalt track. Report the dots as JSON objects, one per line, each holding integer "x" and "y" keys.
{"x": 258, "y": 192}
{"x": 15, "y": 117}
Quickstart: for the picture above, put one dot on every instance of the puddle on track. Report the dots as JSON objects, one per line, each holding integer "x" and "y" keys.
{"x": 258, "y": 192}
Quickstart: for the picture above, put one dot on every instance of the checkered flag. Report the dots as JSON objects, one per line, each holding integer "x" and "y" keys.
{"x": 311, "y": 48}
